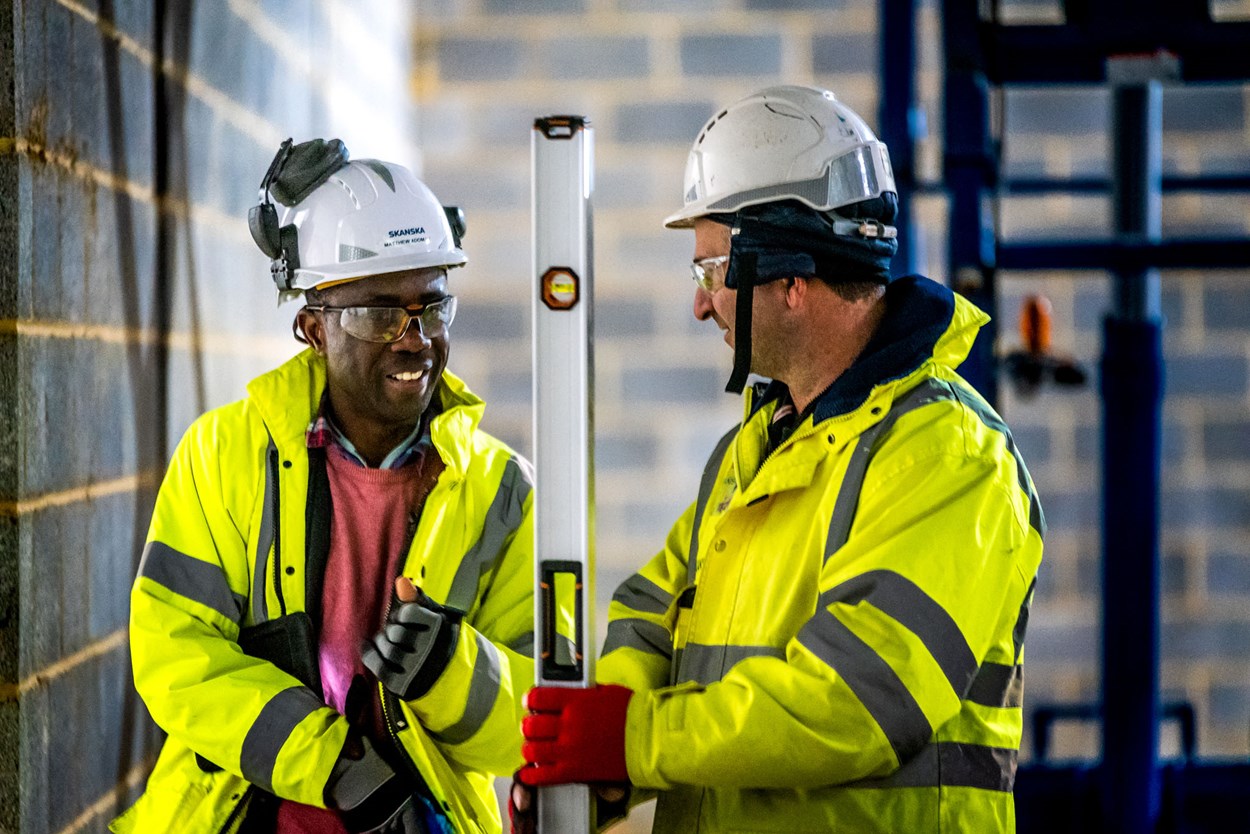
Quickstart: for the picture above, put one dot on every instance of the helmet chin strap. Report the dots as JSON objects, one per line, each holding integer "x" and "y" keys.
{"x": 742, "y": 324}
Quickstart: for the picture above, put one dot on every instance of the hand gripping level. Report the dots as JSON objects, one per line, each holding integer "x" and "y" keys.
{"x": 562, "y": 153}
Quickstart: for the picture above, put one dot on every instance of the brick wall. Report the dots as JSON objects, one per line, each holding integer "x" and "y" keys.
{"x": 1206, "y": 419}
{"x": 132, "y": 137}
{"x": 648, "y": 76}
{"x": 131, "y": 298}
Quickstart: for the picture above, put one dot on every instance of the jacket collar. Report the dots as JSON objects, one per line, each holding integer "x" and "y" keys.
{"x": 924, "y": 321}
{"x": 287, "y": 399}
{"x": 924, "y": 324}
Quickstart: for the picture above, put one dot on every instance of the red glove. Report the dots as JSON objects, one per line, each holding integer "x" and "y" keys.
{"x": 574, "y": 735}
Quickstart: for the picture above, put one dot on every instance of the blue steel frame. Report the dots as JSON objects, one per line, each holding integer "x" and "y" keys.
{"x": 1128, "y": 791}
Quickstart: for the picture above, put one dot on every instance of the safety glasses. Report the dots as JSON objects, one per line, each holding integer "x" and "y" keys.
{"x": 704, "y": 269}
{"x": 389, "y": 324}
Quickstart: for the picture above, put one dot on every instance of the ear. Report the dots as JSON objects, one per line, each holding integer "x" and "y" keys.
{"x": 796, "y": 292}
{"x": 310, "y": 325}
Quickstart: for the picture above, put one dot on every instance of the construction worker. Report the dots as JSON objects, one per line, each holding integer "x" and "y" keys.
{"x": 333, "y": 616}
{"x": 831, "y": 637}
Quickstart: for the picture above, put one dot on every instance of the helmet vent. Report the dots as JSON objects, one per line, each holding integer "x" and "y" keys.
{"x": 354, "y": 253}
{"x": 381, "y": 170}
{"x": 768, "y": 105}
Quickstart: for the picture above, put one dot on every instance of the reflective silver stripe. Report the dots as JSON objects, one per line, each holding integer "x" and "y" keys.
{"x": 1022, "y": 620}
{"x": 997, "y": 685}
{"x": 277, "y": 720}
{"x": 929, "y": 391}
{"x": 951, "y": 764}
{"x": 987, "y": 416}
{"x": 874, "y": 682}
{"x": 905, "y": 601}
{"x": 483, "y": 692}
{"x": 195, "y": 579}
{"x": 643, "y": 635}
{"x": 641, "y": 594}
{"x": 525, "y": 645}
{"x": 565, "y": 650}
{"x": 503, "y": 517}
{"x": 706, "y": 484}
{"x": 260, "y": 609}
{"x": 708, "y": 664}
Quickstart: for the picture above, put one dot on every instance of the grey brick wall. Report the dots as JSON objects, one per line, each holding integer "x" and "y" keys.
{"x": 131, "y": 299}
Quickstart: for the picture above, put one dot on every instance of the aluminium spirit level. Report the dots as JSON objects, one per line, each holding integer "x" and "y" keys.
{"x": 562, "y": 153}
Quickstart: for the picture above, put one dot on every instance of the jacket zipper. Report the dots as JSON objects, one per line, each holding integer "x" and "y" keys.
{"x": 239, "y": 806}
{"x": 390, "y": 709}
{"x": 794, "y": 438}
{"x": 390, "y": 701}
{"x": 387, "y": 705}
{"x": 277, "y": 531}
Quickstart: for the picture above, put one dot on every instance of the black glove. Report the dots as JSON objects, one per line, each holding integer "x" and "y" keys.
{"x": 414, "y": 647}
{"x": 369, "y": 796}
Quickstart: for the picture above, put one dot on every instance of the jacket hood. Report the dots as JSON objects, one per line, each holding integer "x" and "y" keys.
{"x": 924, "y": 321}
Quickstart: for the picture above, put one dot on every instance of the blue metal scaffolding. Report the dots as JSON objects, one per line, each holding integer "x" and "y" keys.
{"x": 1133, "y": 46}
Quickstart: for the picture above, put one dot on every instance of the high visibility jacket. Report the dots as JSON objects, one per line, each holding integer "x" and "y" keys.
{"x": 229, "y": 549}
{"x": 831, "y": 638}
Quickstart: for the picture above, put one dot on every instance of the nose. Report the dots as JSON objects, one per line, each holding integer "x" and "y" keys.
{"x": 702, "y": 304}
{"x": 414, "y": 339}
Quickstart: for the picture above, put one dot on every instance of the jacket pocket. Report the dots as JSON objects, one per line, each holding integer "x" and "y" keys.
{"x": 161, "y": 808}
{"x": 175, "y": 802}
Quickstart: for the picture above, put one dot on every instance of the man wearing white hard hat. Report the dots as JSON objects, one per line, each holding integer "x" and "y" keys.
{"x": 831, "y": 637}
{"x": 333, "y": 616}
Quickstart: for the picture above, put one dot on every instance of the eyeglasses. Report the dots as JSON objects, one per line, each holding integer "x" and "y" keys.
{"x": 389, "y": 324}
{"x": 703, "y": 269}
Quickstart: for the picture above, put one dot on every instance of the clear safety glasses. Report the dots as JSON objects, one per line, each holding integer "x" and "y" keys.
{"x": 389, "y": 324}
{"x": 704, "y": 269}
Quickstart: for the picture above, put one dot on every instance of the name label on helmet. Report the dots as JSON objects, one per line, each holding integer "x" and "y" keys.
{"x": 416, "y": 230}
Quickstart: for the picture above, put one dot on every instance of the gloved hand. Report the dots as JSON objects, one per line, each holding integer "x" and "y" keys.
{"x": 368, "y": 795}
{"x": 415, "y": 645}
{"x": 574, "y": 735}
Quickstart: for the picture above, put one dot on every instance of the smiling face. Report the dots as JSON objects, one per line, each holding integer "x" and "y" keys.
{"x": 379, "y": 391}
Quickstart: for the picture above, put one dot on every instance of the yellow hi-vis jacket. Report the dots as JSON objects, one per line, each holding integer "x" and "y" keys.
{"x": 227, "y": 551}
{"x": 831, "y": 639}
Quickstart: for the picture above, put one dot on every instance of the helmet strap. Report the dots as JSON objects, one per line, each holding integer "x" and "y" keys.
{"x": 742, "y": 324}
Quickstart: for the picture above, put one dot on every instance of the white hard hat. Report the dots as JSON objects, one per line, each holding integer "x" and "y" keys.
{"x": 368, "y": 218}
{"x": 783, "y": 143}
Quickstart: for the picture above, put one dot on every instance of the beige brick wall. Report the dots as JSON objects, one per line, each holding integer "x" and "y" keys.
{"x": 647, "y": 78}
{"x": 659, "y": 374}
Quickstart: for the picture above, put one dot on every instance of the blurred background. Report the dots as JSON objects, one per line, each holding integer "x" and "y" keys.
{"x": 133, "y": 136}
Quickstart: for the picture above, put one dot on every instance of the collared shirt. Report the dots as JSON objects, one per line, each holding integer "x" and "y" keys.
{"x": 785, "y": 420}
{"x": 323, "y": 431}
